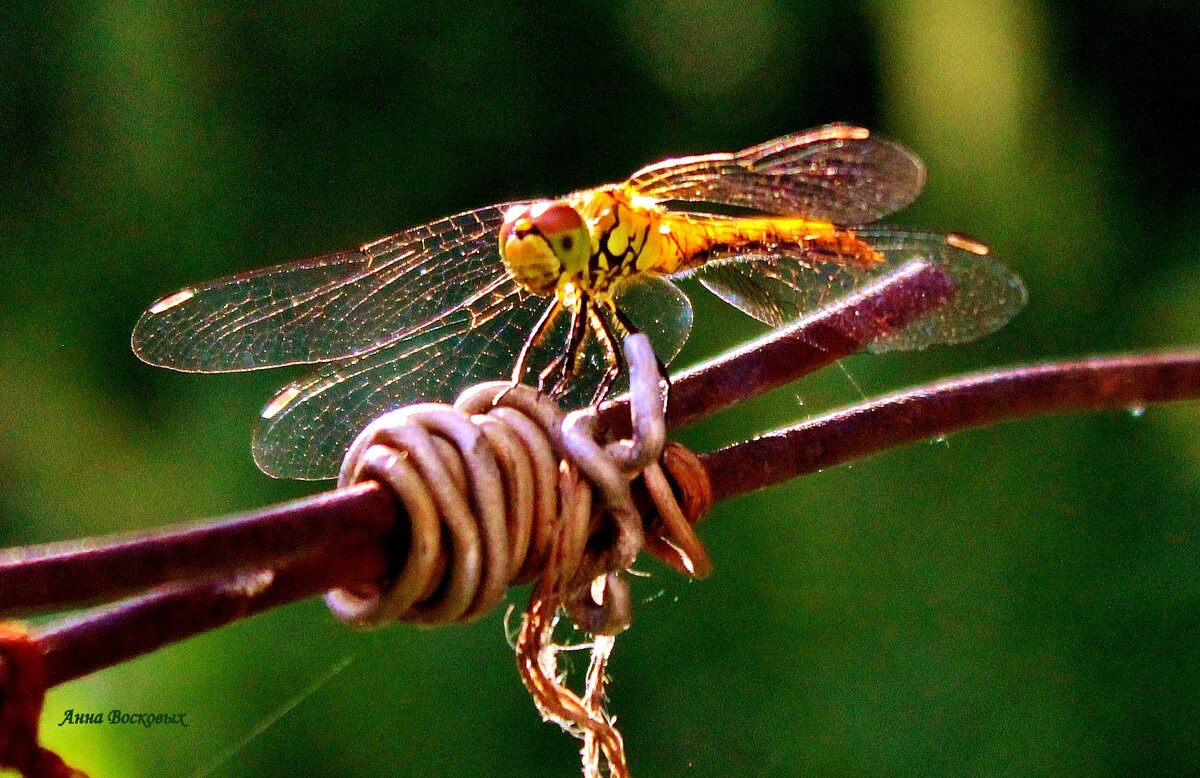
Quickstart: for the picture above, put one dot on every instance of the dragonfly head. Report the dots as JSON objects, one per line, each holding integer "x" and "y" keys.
{"x": 542, "y": 241}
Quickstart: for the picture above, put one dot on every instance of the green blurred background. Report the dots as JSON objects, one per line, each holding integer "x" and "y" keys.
{"x": 1020, "y": 600}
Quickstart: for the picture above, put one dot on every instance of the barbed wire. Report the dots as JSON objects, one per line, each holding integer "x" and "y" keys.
{"x": 203, "y": 575}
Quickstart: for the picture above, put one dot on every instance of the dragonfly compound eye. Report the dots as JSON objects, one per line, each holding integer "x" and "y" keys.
{"x": 541, "y": 242}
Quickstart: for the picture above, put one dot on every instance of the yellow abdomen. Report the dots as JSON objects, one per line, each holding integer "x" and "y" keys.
{"x": 690, "y": 240}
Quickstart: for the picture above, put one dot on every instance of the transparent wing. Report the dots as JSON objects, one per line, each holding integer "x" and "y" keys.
{"x": 660, "y": 309}
{"x": 306, "y": 429}
{"x": 325, "y": 308}
{"x": 838, "y": 173}
{"x": 780, "y": 288}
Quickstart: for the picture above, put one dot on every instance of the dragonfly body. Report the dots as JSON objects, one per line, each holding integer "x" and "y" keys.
{"x": 580, "y": 249}
{"x": 423, "y": 313}
{"x": 630, "y": 234}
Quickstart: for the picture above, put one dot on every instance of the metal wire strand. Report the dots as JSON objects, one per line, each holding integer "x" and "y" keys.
{"x": 503, "y": 487}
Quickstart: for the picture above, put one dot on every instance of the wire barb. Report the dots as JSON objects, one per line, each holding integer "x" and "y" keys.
{"x": 517, "y": 487}
{"x": 503, "y": 486}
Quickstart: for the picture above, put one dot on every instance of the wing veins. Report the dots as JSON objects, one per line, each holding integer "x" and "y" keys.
{"x": 314, "y": 311}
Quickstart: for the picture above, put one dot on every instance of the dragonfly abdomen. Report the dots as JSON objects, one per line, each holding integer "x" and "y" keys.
{"x": 692, "y": 240}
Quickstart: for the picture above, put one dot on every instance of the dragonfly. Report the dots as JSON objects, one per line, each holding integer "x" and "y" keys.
{"x": 548, "y": 287}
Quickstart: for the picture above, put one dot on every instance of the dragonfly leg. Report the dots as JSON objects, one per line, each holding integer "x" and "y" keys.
{"x": 614, "y": 355}
{"x": 566, "y": 364}
{"x": 544, "y": 377}
{"x": 574, "y": 351}
{"x": 627, "y": 328}
{"x": 535, "y": 337}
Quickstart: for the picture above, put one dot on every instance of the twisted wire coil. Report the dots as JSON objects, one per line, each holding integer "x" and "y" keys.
{"x": 503, "y": 487}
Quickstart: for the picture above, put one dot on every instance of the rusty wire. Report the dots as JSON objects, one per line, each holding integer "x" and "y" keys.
{"x": 57, "y": 576}
{"x": 208, "y": 574}
{"x": 193, "y": 577}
